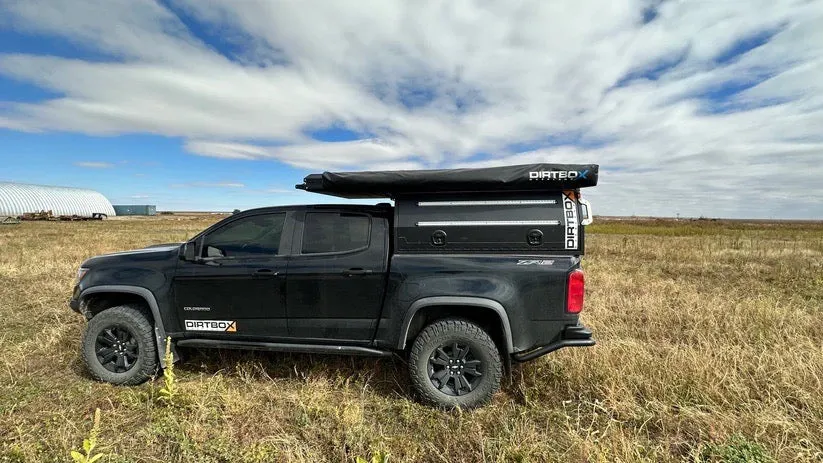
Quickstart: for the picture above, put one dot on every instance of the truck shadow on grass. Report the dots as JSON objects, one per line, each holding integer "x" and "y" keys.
{"x": 384, "y": 376}
{"x": 387, "y": 377}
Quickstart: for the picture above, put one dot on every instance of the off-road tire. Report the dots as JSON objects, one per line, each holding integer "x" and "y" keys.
{"x": 132, "y": 318}
{"x": 444, "y": 333}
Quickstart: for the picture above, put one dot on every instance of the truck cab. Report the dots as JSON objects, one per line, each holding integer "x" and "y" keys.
{"x": 280, "y": 274}
{"x": 458, "y": 279}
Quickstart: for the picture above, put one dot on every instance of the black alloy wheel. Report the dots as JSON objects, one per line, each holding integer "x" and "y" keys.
{"x": 454, "y": 370}
{"x": 117, "y": 349}
{"x": 455, "y": 363}
{"x": 119, "y": 345}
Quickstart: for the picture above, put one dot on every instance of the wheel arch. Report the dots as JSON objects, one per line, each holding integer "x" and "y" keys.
{"x": 132, "y": 293}
{"x": 434, "y": 308}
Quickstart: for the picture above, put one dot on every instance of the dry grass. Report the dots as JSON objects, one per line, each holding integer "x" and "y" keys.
{"x": 709, "y": 350}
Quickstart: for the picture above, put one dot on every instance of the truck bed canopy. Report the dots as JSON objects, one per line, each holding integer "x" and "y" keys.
{"x": 390, "y": 184}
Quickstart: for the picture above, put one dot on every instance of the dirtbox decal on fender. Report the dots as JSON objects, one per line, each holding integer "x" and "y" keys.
{"x": 570, "y": 221}
{"x": 227, "y": 326}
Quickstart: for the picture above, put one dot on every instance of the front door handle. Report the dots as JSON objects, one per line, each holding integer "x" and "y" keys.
{"x": 264, "y": 273}
{"x": 357, "y": 271}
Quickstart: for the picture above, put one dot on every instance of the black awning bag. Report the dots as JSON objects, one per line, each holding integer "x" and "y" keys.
{"x": 390, "y": 184}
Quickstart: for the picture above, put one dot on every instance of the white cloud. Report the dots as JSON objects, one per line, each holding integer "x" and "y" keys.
{"x": 437, "y": 84}
{"x": 94, "y": 165}
{"x": 337, "y": 155}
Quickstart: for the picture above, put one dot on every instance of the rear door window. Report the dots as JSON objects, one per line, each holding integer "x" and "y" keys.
{"x": 327, "y": 232}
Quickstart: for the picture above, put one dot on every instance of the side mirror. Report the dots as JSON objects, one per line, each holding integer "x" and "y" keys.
{"x": 190, "y": 251}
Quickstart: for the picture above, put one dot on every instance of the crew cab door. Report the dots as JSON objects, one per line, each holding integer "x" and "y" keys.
{"x": 235, "y": 287}
{"x": 337, "y": 276}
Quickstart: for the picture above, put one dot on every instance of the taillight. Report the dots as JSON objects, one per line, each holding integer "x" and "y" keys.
{"x": 574, "y": 293}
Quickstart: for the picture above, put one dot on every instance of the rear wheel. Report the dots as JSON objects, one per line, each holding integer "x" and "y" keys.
{"x": 455, "y": 363}
{"x": 119, "y": 347}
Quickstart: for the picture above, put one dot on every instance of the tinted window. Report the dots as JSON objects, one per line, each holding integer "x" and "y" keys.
{"x": 257, "y": 235}
{"x": 334, "y": 232}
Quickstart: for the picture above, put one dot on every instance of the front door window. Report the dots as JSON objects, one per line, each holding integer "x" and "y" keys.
{"x": 254, "y": 236}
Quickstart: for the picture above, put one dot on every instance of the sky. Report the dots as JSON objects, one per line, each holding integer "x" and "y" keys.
{"x": 691, "y": 107}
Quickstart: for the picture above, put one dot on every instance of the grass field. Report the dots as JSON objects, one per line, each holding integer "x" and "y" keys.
{"x": 710, "y": 348}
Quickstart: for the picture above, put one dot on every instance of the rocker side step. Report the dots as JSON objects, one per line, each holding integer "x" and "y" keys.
{"x": 284, "y": 347}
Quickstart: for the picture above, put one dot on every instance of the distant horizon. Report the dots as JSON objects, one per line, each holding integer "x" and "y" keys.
{"x": 596, "y": 216}
{"x": 316, "y": 198}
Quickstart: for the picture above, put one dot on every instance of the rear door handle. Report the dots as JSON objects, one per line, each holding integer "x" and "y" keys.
{"x": 357, "y": 271}
{"x": 264, "y": 273}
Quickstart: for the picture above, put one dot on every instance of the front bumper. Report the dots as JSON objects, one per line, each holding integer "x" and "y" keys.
{"x": 74, "y": 302}
{"x": 571, "y": 336}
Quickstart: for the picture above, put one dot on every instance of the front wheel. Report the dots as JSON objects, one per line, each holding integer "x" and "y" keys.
{"x": 455, "y": 363}
{"x": 119, "y": 347}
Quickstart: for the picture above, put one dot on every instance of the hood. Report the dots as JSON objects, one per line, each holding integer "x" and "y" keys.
{"x": 151, "y": 253}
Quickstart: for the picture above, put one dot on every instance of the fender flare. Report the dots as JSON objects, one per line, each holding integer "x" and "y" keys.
{"x": 159, "y": 330}
{"x": 457, "y": 300}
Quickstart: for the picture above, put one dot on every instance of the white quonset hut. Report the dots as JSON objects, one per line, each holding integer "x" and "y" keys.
{"x": 20, "y": 198}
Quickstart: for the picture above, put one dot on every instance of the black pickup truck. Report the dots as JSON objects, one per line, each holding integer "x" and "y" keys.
{"x": 468, "y": 270}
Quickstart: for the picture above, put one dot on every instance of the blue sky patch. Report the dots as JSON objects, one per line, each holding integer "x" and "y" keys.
{"x": 415, "y": 94}
{"x": 651, "y": 12}
{"x": 576, "y": 139}
{"x": 653, "y": 71}
{"x": 12, "y": 90}
{"x": 727, "y": 90}
{"x": 14, "y": 41}
{"x": 334, "y": 133}
{"x": 746, "y": 44}
{"x": 232, "y": 43}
